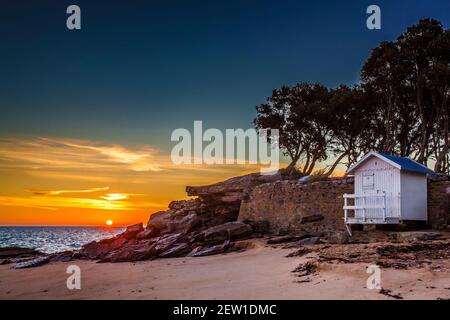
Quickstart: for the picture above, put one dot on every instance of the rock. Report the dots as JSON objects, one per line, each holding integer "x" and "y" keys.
{"x": 36, "y": 262}
{"x": 281, "y": 239}
{"x": 233, "y": 185}
{"x": 175, "y": 251}
{"x": 189, "y": 222}
{"x": 185, "y": 224}
{"x": 165, "y": 242}
{"x": 133, "y": 252}
{"x": 160, "y": 220}
{"x": 227, "y": 210}
{"x": 288, "y": 238}
{"x": 99, "y": 249}
{"x": 132, "y": 231}
{"x": 227, "y": 231}
{"x": 117, "y": 242}
{"x": 304, "y": 179}
{"x": 224, "y": 198}
{"x": 259, "y": 226}
{"x": 311, "y": 218}
{"x": 217, "y": 249}
{"x": 13, "y": 252}
{"x": 185, "y": 205}
{"x": 147, "y": 234}
{"x": 5, "y": 261}
{"x": 64, "y": 256}
{"x": 306, "y": 269}
{"x": 194, "y": 251}
{"x": 338, "y": 237}
{"x": 308, "y": 241}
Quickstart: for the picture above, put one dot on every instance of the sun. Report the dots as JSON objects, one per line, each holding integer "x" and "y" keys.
{"x": 109, "y": 222}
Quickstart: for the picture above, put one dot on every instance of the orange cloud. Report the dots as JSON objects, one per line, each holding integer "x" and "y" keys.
{"x": 118, "y": 196}
{"x": 39, "y": 153}
{"x": 50, "y": 202}
{"x": 59, "y": 192}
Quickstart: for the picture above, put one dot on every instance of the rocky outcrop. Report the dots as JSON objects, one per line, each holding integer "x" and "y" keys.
{"x": 31, "y": 263}
{"x": 17, "y": 252}
{"x": 202, "y": 226}
{"x": 223, "y": 199}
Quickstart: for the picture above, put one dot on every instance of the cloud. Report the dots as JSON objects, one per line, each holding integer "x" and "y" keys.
{"x": 60, "y": 192}
{"x": 62, "y": 153}
{"x": 118, "y": 196}
{"x": 52, "y": 203}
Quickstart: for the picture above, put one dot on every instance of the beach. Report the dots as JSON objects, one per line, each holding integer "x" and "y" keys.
{"x": 260, "y": 272}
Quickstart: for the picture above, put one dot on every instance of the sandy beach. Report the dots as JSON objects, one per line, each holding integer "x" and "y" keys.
{"x": 262, "y": 272}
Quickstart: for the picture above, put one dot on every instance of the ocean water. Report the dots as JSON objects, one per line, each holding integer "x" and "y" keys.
{"x": 53, "y": 239}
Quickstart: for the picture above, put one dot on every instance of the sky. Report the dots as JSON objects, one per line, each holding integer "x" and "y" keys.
{"x": 86, "y": 116}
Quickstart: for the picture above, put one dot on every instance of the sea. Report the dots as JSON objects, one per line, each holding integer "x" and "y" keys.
{"x": 53, "y": 239}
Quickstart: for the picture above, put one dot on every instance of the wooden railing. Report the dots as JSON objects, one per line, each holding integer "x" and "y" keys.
{"x": 363, "y": 206}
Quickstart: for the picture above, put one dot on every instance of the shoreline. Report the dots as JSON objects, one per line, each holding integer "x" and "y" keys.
{"x": 258, "y": 273}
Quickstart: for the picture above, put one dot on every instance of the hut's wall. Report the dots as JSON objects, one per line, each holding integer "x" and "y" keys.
{"x": 386, "y": 178}
{"x": 414, "y": 196}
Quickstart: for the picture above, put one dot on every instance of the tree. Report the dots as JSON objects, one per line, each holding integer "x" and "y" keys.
{"x": 417, "y": 45}
{"x": 353, "y": 117}
{"x": 402, "y": 107}
{"x": 301, "y": 116}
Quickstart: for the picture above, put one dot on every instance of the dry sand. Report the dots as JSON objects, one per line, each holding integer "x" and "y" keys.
{"x": 258, "y": 273}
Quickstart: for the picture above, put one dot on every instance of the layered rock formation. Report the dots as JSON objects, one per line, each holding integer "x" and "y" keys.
{"x": 202, "y": 226}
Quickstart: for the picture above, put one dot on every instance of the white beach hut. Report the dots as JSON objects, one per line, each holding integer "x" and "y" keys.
{"x": 388, "y": 190}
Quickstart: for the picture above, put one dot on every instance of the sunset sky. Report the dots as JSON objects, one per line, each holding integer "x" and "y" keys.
{"x": 86, "y": 116}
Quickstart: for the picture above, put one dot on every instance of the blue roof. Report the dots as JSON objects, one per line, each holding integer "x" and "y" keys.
{"x": 408, "y": 165}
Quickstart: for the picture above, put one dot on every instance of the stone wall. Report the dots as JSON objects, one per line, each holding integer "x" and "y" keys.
{"x": 290, "y": 206}
{"x": 439, "y": 204}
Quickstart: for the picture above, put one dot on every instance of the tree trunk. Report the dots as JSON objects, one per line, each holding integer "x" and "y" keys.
{"x": 333, "y": 167}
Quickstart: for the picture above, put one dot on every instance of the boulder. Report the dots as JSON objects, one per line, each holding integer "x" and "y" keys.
{"x": 117, "y": 242}
{"x": 95, "y": 250}
{"x": 132, "y": 231}
{"x": 31, "y": 263}
{"x": 99, "y": 249}
{"x": 207, "y": 251}
{"x": 63, "y": 256}
{"x": 189, "y": 222}
{"x": 159, "y": 220}
{"x": 288, "y": 238}
{"x": 338, "y": 237}
{"x": 165, "y": 242}
{"x": 185, "y": 205}
{"x": 148, "y": 233}
{"x": 227, "y": 231}
{"x": 308, "y": 241}
{"x": 175, "y": 251}
{"x": 259, "y": 226}
{"x": 184, "y": 224}
{"x": 232, "y": 188}
{"x": 13, "y": 252}
{"x": 133, "y": 252}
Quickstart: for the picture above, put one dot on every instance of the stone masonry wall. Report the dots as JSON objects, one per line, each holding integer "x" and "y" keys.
{"x": 439, "y": 204}
{"x": 290, "y": 206}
